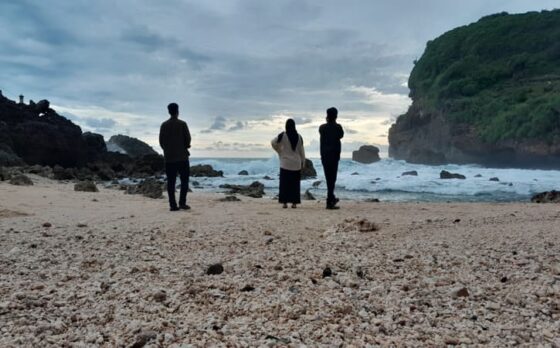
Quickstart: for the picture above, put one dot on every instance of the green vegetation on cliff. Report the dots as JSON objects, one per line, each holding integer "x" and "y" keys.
{"x": 501, "y": 74}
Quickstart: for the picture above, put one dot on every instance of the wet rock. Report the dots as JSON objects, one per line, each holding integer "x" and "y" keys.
{"x": 205, "y": 170}
{"x": 243, "y": 172}
{"x": 372, "y": 200}
{"x": 266, "y": 177}
{"x": 308, "y": 196}
{"x": 47, "y": 224}
{"x": 478, "y": 176}
{"x": 546, "y": 197}
{"x": 86, "y": 186}
{"x": 366, "y": 154}
{"x": 21, "y": 180}
{"x": 447, "y": 175}
{"x": 215, "y": 269}
{"x": 410, "y": 173}
{"x": 327, "y": 272}
{"x": 494, "y": 179}
{"x": 355, "y": 173}
{"x": 317, "y": 183}
{"x": 308, "y": 170}
{"x": 255, "y": 190}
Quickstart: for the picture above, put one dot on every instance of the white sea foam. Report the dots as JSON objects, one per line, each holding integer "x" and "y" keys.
{"x": 384, "y": 180}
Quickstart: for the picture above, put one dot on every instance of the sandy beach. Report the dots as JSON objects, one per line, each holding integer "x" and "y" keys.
{"x": 113, "y": 270}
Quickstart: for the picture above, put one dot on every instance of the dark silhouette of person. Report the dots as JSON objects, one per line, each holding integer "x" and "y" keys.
{"x": 289, "y": 145}
{"x": 175, "y": 140}
{"x": 331, "y": 133}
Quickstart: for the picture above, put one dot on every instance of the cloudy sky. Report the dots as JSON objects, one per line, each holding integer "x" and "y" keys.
{"x": 237, "y": 68}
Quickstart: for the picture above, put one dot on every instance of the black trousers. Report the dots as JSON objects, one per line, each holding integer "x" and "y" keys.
{"x": 330, "y": 166}
{"x": 290, "y": 186}
{"x": 171, "y": 170}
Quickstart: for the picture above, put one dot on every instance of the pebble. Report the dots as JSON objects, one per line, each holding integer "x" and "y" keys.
{"x": 215, "y": 269}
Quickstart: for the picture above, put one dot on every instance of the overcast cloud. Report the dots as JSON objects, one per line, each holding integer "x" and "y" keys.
{"x": 237, "y": 69}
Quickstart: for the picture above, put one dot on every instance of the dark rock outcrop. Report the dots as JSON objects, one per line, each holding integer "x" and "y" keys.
{"x": 38, "y": 135}
{"x": 95, "y": 145}
{"x": 131, "y": 146}
{"x": 205, "y": 170}
{"x": 308, "y": 196}
{"x": 546, "y": 197}
{"x": 243, "y": 172}
{"x": 308, "y": 171}
{"x": 366, "y": 154}
{"x": 447, "y": 175}
{"x": 255, "y": 190}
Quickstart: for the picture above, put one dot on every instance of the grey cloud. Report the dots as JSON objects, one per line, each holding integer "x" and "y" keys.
{"x": 102, "y": 123}
{"x": 239, "y": 125}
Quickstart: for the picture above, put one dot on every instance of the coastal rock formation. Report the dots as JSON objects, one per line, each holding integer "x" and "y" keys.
{"x": 410, "y": 173}
{"x": 205, "y": 170}
{"x": 95, "y": 145}
{"x": 486, "y": 93}
{"x": 150, "y": 188}
{"x": 38, "y": 135}
{"x": 243, "y": 172}
{"x": 131, "y": 146}
{"x": 21, "y": 180}
{"x": 85, "y": 186}
{"x": 366, "y": 154}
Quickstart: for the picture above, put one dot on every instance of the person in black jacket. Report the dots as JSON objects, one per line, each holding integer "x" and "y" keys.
{"x": 175, "y": 140}
{"x": 331, "y": 133}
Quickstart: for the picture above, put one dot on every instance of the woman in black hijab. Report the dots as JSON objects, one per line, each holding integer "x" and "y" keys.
{"x": 289, "y": 145}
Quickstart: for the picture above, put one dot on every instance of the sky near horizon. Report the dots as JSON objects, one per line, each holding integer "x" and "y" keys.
{"x": 237, "y": 68}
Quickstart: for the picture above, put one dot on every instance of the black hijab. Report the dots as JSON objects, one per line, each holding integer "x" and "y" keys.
{"x": 291, "y": 132}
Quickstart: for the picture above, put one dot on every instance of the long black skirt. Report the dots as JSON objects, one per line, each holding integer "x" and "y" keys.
{"x": 290, "y": 186}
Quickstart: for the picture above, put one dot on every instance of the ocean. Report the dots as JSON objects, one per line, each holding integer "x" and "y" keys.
{"x": 383, "y": 180}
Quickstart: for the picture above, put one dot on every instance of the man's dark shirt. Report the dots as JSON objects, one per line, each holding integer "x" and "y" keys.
{"x": 331, "y": 133}
{"x": 175, "y": 140}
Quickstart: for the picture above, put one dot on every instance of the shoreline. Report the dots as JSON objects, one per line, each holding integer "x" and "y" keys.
{"x": 114, "y": 269}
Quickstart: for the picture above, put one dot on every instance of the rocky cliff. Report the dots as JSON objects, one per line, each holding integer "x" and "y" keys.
{"x": 486, "y": 93}
{"x": 36, "y": 134}
{"x": 131, "y": 146}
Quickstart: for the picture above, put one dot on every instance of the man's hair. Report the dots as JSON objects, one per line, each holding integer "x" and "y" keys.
{"x": 173, "y": 109}
{"x": 332, "y": 114}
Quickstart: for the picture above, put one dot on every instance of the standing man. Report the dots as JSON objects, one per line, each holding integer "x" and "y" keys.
{"x": 175, "y": 140}
{"x": 331, "y": 133}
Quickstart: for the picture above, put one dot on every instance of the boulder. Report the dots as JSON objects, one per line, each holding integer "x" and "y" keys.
{"x": 255, "y": 190}
{"x": 447, "y": 175}
{"x": 243, "y": 172}
{"x": 410, "y": 173}
{"x": 95, "y": 145}
{"x": 317, "y": 183}
{"x": 205, "y": 170}
{"x": 131, "y": 146}
{"x": 86, "y": 186}
{"x": 60, "y": 173}
{"x": 308, "y": 171}
{"x": 42, "y": 106}
{"x": 366, "y": 154}
{"x": 494, "y": 179}
{"x": 21, "y": 180}
{"x": 546, "y": 197}
{"x": 150, "y": 188}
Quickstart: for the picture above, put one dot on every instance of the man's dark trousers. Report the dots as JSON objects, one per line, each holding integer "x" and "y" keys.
{"x": 171, "y": 170}
{"x": 330, "y": 166}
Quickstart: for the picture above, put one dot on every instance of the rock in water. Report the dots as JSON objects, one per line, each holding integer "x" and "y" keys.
{"x": 547, "y": 197}
{"x": 494, "y": 179}
{"x": 410, "y": 173}
{"x": 21, "y": 180}
{"x": 215, "y": 269}
{"x": 205, "y": 170}
{"x": 308, "y": 196}
{"x": 308, "y": 170}
{"x": 366, "y": 154}
{"x": 447, "y": 175}
{"x": 317, "y": 183}
{"x": 243, "y": 172}
{"x": 86, "y": 186}
{"x": 133, "y": 147}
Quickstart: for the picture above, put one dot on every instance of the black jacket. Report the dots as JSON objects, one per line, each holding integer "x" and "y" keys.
{"x": 331, "y": 133}
{"x": 175, "y": 140}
